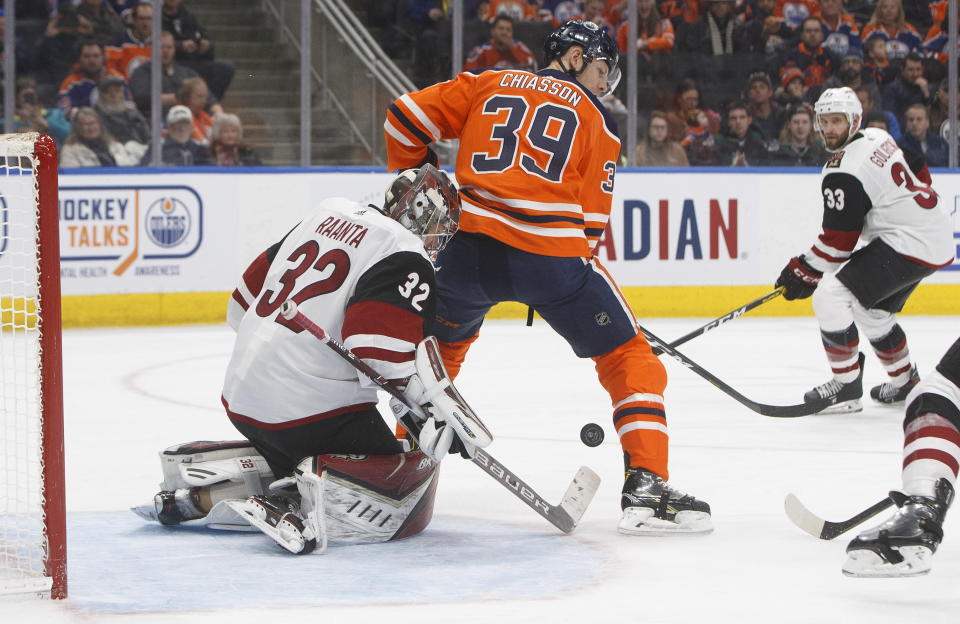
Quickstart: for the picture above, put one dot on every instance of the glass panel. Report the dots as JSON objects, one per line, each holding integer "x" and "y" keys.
{"x": 693, "y": 60}
{"x": 735, "y": 81}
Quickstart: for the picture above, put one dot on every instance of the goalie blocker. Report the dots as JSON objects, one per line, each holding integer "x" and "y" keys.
{"x": 350, "y": 498}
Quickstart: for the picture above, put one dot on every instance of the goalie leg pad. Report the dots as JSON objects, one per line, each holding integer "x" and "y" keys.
{"x": 368, "y": 498}
{"x": 251, "y": 470}
{"x": 195, "y": 453}
{"x": 199, "y": 475}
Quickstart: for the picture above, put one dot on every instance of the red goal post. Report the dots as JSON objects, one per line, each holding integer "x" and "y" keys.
{"x": 33, "y": 548}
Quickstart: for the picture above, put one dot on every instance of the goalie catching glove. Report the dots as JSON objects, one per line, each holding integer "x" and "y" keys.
{"x": 798, "y": 279}
{"x": 441, "y": 420}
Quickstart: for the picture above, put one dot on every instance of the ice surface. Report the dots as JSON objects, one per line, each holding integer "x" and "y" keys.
{"x": 487, "y": 557}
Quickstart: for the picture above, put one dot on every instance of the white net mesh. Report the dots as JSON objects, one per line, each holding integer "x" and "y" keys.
{"x": 23, "y": 542}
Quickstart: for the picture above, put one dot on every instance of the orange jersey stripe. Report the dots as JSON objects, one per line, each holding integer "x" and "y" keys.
{"x": 536, "y": 161}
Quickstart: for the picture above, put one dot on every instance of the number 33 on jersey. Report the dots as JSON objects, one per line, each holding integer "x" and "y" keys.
{"x": 536, "y": 160}
{"x": 870, "y": 191}
{"x": 355, "y": 272}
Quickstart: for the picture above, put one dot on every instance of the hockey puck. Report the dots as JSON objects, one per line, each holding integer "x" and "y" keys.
{"x": 591, "y": 434}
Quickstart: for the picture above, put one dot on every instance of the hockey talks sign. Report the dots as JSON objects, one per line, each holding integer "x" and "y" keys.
{"x": 123, "y": 225}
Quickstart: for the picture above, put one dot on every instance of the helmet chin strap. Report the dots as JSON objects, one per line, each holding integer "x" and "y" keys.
{"x": 570, "y": 71}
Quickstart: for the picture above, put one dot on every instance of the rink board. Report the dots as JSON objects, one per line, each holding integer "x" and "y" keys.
{"x": 167, "y": 246}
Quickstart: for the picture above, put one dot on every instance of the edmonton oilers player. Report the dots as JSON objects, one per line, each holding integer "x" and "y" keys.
{"x": 536, "y": 166}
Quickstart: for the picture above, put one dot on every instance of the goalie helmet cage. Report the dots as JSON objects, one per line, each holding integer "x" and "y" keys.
{"x": 33, "y": 549}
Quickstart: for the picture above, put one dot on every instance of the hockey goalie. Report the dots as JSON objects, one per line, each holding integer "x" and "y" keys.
{"x": 319, "y": 462}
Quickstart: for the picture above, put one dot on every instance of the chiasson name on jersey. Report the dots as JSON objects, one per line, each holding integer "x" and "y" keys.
{"x": 541, "y": 83}
{"x": 342, "y": 230}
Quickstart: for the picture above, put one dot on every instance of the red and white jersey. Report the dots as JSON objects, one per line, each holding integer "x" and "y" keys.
{"x": 356, "y": 273}
{"x": 536, "y": 161}
{"x": 870, "y": 191}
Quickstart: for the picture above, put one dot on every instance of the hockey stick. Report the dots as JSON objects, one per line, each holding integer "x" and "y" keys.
{"x": 565, "y": 515}
{"x": 776, "y": 411}
{"x": 816, "y": 526}
{"x": 717, "y": 322}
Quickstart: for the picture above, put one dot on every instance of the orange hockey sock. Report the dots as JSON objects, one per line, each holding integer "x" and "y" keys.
{"x": 635, "y": 380}
{"x": 454, "y": 353}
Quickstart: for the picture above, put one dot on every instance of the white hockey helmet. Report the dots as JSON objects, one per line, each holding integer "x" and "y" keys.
{"x": 425, "y": 201}
{"x": 839, "y": 100}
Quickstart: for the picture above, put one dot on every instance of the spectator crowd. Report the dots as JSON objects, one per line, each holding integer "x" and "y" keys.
{"x": 723, "y": 82}
{"x": 84, "y": 76}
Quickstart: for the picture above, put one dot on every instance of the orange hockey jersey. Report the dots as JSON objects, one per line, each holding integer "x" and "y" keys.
{"x": 536, "y": 161}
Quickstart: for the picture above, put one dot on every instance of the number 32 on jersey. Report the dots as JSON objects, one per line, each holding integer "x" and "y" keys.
{"x": 416, "y": 290}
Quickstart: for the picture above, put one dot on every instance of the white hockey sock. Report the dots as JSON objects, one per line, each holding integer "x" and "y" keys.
{"x": 931, "y": 451}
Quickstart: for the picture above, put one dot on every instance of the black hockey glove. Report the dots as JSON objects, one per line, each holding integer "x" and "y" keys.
{"x": 798, "y": 279}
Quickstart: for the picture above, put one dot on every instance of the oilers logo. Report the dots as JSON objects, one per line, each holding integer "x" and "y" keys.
{"x": 167, "y": 222}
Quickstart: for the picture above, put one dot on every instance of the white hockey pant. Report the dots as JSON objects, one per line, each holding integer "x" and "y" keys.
{"x": 836, "y": 309}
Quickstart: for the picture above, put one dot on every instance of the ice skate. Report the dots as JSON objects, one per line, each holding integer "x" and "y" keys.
{"x": 652, "y": 507}
{"x": 845, "y": 396}
{"x": 889, "y": 393}
{"x": 279, "y": 518}
{"x": 904, "y": 544}
{"x": 172, "y": 508}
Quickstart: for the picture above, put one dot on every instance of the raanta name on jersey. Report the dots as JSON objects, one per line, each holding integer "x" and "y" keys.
{"x": 343, "y": 231}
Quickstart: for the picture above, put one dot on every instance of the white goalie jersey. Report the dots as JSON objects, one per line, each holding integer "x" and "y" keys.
{"x": 356, "y": 273}
{"x": 871, "y": 190}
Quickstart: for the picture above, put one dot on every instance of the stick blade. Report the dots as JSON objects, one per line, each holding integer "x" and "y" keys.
{"x": 579, "y": 495}
{"x": 805, "y": 519}
{"x": 793, "y": 411}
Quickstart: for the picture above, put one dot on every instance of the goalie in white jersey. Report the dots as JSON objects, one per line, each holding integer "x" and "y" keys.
{"x": 364, "y": 275}
{"x": 368, "y": 280}
{"x": 874, "y": 192}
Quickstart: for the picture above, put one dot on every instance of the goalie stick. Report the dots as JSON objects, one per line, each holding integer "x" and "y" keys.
{"x": 565, "y": 515}
{"x": 717, "y": 322}
{"x": 776, "y": 411}
{"x": 816, "y": 526}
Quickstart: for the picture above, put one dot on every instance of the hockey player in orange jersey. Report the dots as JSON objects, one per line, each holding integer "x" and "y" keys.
{"x": 535, "y": 166}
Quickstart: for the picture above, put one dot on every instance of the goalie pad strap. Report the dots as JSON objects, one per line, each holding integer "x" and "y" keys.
{"x": 249, "y": 470}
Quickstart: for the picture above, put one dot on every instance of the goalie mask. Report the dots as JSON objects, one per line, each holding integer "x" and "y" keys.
{"x": 842, "y": 100}
{"x": 425, "y": 202}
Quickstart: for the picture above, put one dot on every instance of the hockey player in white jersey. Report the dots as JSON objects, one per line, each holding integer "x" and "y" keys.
{"x": 872, "y": 192}
{"x": 905, "y": 543}
{"x": 365, "y": 275}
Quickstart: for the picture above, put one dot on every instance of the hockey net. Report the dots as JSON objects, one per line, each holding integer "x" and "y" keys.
{"x": 32, "y": 515}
